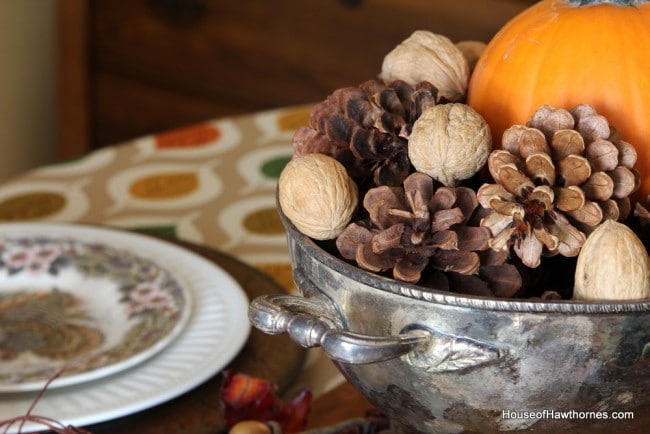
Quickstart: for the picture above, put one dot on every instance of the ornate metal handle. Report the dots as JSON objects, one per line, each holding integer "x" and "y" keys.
{"x": 305, "y": 323}
{"x": 309, "y": 324}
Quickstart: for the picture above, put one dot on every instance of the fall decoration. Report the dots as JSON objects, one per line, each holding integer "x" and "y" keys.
{"x": 255, "y": 427}
{"x": 417, "y": 226}
{"x": 416, "y": 151}
{"x": 449, "y": 142}
{"x": 556, "y": 179}
{"x": 317, "y": 195}
{"x": 613, "y": 265}
{"x": 247, "y": 398}
{"x": 366, "y": 128}
{"x": 565, "y": 53}
{"x": 426, "y": 56}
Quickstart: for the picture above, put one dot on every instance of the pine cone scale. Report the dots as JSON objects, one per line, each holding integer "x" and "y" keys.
{"x": 574, "y": 170}
{"x": 457, "y": 261}
{"x": 409, "y": 269}
{"x": 504, "y": 280}
{"x": 569, "y": 198}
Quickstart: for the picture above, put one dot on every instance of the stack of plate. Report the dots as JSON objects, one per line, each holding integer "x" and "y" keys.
{"x": 124, "y": 321}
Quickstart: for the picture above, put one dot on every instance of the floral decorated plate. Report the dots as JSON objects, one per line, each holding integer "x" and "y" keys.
{"x": 85, "y": 300}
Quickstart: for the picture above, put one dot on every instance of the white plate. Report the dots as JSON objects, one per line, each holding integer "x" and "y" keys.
{"x": 216, "y": 331}
{"x": 77, "y": 301}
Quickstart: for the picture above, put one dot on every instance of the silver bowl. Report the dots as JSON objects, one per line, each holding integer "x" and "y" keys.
{"x": 438, "y": 362}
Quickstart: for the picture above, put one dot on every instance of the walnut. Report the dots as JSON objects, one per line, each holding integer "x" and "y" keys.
{"x": 426, "y": 56}
{"x": 317, "y": 195}
{"x": 613, "y": 265}
{"x": 472, "y": 50}
{"x": 450, "y": 143}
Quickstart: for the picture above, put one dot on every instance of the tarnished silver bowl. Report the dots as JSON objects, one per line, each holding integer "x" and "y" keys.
{"x": 438, "y": 362}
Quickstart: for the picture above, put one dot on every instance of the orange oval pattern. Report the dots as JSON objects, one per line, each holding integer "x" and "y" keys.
{"x": 264, "y": 221}
{"x": 164, "y": 186}
{"x": 187, "y": 137}
{"x": 292, "y": 120}
{"x": 31, "y": 206}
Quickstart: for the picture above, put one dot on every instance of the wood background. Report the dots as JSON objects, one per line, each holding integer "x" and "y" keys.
{"x": 133, "y": 68}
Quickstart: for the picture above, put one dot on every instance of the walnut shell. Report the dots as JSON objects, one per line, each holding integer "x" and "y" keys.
{"x": 612, "y": 265}
{"x": 317, "y": 195}
{"x": 449, "y": 142}
{"x": 427, "y": 56}
{"x": 472, "y": 50}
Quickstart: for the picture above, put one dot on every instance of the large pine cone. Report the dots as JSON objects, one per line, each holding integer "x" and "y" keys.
{"x": 557, "y": 179}
{"x": 422, "y": 228}
{"x": 366, "y": 128}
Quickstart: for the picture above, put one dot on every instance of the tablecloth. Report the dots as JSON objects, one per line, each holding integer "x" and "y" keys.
{"x": 212, "y": 183}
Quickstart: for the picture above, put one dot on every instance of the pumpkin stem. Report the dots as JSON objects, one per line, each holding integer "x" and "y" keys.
{"x": 595, "y": 2}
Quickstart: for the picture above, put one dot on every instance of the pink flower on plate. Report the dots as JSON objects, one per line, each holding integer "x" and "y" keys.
{"x": 46, "y": 252}
{"x": 148, "y": 296}
{"x": 34, "y": 259}
{"x": 16, "y": 257}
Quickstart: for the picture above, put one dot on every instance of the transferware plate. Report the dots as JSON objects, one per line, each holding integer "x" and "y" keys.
{"x": 86, "y": 301}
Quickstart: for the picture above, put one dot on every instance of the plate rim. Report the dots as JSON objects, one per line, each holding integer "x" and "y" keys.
{"x": 236, "y": 338}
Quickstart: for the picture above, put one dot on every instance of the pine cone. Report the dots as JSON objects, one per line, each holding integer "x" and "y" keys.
{"x": 557, "y": 179}
{"x": 366, "y": 128}
{"x": 417, "y": 226}
{"x": 642, "y": 214}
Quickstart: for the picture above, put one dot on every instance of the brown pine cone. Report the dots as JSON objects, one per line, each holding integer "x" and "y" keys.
{"x": 417, "y": 226}
{"x": 366, "y": 128}
{"x": 557, "y": 179}
{"x": 642, "y": 214}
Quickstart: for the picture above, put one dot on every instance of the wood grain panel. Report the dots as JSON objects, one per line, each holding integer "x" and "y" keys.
{"x": 127, "y": 108}
{"x": 75, "y": 110}
{"x": 177, "y": 61}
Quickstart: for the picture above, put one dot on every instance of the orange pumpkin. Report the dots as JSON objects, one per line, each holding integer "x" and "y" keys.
{"x": 568, "y": 52}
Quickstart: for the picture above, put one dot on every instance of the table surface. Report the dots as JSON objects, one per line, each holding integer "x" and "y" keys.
{"x": 210, "y": 184}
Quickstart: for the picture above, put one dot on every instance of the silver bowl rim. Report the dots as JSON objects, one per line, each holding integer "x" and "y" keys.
{"x": 433, "y": 295}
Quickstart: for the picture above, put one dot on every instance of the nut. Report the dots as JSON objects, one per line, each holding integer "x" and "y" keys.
{"x": 612, "y": 265}
{"x": 472, "y": 50}
{"x": 251, "y": 427}
{"x": 449, "y": 142}
{"x": 426, "y": 56}
{"x": 317, "y": 195}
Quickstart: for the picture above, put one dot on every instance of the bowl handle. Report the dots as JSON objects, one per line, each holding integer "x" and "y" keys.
{"x": 309, "y": 324}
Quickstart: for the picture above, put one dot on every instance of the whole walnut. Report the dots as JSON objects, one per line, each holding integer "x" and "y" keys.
{"x": 427, "y": 56}
{"x": 449, "y": 142}
{"x": 612, "y": 265}
{"x": 317, "y": 195}
{"x": 472, "y": 50}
